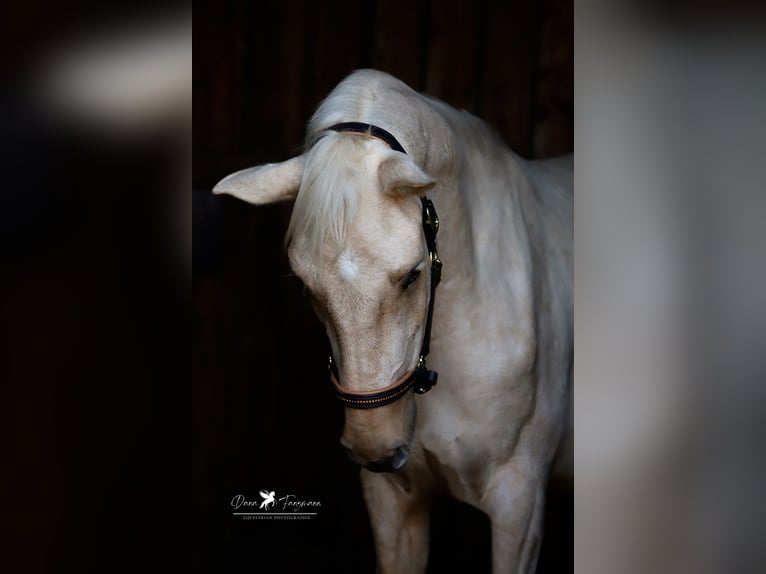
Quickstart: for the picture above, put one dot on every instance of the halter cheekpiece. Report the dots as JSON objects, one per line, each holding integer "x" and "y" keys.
{"x": 420, "y": 377}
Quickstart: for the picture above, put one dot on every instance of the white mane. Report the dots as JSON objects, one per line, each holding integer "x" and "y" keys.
{"x": 327, "y": 201}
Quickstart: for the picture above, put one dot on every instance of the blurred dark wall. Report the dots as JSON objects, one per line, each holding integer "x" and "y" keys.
{"x": 94, "y": 333}
{"x": 263, "y": 413}
{"x": 260, "y": 69}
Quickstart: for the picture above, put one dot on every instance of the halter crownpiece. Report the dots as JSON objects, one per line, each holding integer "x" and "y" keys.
{"x": 374, "y": 131}
{"x": 420, "y": 377}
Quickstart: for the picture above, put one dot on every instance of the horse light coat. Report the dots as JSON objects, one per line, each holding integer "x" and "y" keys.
{"x": 499, "y": 422}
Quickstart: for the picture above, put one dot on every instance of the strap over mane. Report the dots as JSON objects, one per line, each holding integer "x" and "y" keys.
{"x": 420, "y": 377}
{"x": 374, "y": 131}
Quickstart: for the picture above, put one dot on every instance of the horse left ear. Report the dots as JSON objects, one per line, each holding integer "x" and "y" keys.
{"x": 264, "y": 183}
{"x": 399, "y": 175}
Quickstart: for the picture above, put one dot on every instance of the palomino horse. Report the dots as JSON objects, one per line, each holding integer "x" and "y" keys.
{"x": 362, "y": 237}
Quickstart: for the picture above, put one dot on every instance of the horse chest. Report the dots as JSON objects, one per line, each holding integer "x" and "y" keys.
{"x": 468, "y": 433}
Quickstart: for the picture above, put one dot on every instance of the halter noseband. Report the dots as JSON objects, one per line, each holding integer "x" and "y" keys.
{"x": 420, "y": 377}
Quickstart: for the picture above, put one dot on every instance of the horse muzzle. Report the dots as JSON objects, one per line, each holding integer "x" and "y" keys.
{"x": 395, "y": 460}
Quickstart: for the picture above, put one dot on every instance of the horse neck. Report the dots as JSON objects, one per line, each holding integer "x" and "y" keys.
{"x": 483, "y": 199}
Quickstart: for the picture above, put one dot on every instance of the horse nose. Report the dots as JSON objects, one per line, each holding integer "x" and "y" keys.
{"x": 401, "y": 457}
{"x": 395, "y": 461}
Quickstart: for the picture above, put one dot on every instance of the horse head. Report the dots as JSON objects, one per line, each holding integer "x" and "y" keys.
{"x": 356, "y": 241}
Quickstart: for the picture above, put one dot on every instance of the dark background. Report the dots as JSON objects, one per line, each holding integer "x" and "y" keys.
{"x": 263, "y": 414}
{"x": 94, "y": 310}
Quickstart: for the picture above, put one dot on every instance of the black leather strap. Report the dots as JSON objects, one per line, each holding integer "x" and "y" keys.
{"x": 430, "y": 227}
{"x": 375, "y": 131}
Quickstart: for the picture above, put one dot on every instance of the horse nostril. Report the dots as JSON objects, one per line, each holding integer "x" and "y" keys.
{"x": 397, "y": 458}
{"x": 400, "y": 458}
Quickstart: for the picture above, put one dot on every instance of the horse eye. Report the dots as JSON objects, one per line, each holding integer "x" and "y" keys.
{"x": 412, "y": 276}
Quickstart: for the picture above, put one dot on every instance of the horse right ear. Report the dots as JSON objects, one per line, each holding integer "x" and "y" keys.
{"x": 265, "y": 183}
{"x": 400, "y": 176}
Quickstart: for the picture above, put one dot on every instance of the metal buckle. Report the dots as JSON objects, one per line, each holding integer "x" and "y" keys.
{"x": 436, "y": 268}
{"x": 432, "y": 219}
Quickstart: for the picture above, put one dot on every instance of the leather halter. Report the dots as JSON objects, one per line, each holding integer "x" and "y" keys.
{"x": 420, "y": 377}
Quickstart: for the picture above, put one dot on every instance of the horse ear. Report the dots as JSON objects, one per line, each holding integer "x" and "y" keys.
{"x": 264, "y": 183}
{"x": 399, "y": 175}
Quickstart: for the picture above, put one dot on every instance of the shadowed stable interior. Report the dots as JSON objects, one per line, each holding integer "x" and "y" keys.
{"x": 264, "y": 413}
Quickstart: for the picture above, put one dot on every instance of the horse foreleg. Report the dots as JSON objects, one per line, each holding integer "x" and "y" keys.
{"x": 515, "y": 503}
{"x": 400, "y": 521}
